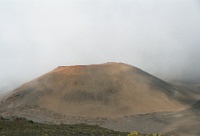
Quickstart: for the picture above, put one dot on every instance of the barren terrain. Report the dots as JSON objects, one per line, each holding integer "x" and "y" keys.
{"x": 113, "y": 95}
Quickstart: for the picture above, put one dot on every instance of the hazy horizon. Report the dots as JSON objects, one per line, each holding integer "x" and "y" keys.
{"x": 159, "y": 37}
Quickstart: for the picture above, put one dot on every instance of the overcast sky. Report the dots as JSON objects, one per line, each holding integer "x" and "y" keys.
{"x": 161, "y": 37}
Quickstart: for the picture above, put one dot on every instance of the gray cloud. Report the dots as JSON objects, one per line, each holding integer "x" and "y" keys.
{"x": 160, "y": 37}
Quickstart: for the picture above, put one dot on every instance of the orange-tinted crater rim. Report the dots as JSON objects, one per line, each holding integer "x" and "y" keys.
{"x": 76, "y": 67}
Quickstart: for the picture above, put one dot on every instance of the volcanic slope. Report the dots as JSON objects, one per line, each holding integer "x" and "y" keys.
{"x": 103, "y": 90}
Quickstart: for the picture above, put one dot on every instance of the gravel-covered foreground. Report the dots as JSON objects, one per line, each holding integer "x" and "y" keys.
{"x": 17, "y": 126}
{"x": 22, "y": 127}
